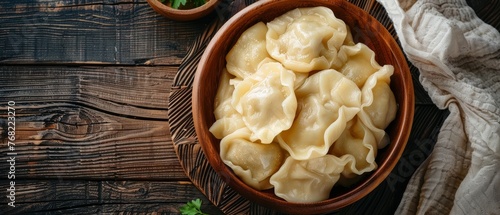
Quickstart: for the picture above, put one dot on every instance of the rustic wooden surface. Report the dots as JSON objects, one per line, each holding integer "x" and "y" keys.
{"x": 91, "y": 80}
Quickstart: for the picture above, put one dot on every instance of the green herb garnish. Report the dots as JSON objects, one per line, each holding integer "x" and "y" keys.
{"x": 177, "y": 3}
{"x": 192, "y": 208}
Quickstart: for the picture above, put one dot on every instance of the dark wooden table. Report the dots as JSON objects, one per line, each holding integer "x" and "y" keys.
{"x": 89, "y": 82}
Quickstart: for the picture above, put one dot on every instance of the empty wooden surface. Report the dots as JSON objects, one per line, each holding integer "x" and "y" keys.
{"x": 91, "y": 81}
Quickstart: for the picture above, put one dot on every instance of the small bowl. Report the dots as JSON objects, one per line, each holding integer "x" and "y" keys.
{"x": 183, "y": 15}
{"x": 365, "y": 29}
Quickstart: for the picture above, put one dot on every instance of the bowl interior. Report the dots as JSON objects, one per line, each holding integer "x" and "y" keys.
{"x": 185, "y": 14}
{"x": 365, "y": 29}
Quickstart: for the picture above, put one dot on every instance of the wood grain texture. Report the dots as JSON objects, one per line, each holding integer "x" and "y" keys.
{"x": 90, "y": 122}
{"x": 102, "y": 197}
{"x": 92, "y": 32}
{"x": 94, "y": 135}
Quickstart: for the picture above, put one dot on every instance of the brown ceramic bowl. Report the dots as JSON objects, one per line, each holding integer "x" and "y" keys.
{"x": 367, "y": 30}
{"x": 183, "y": 15}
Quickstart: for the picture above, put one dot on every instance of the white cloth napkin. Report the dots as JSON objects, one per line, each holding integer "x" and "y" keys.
{"x": 458, "y": 56}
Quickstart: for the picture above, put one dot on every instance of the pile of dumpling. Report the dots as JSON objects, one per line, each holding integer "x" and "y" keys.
{"x": 300, "y": 107}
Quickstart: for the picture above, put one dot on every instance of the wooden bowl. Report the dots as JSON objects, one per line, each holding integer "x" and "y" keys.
{"x": 183, "y": 15}
{"x": 365, "y": 29}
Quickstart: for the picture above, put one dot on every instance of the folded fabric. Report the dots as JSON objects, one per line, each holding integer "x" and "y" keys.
{"x": 458, "y": 57}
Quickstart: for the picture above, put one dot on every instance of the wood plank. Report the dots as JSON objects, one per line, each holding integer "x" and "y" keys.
{"x": 101, "y": 197}
{"x": 90, "y": 122}
{"x": 99, "y": 32}
{"x": 134, "y": 92}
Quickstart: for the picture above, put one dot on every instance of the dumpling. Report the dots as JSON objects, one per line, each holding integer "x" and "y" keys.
{"x": 253, "y": 162}
{"x": 250, "y": 49}
{"x": 306, "y": 39}
{"x": 301, "y": 106}
{"x": 224, "y": 94}
{"x": 378, "y": 104}
{"x": 300, "y": 77}
{"x": 358, "y": 146}
{"x": 307, "y": 180}
{"x": 349, "y": 41}
{"x": 227, "y": 119}
{"x": 326, "y": 102}
{"x": 358, "y": 63}
{"x": 266, "y": 101}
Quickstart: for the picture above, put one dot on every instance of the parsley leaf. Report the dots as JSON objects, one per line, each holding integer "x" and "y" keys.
{"x": 192, "y": 208}
{"x": 177, "y": 3}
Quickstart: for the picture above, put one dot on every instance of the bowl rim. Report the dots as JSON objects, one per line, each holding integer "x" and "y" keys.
{"x": 373, "y": 180}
